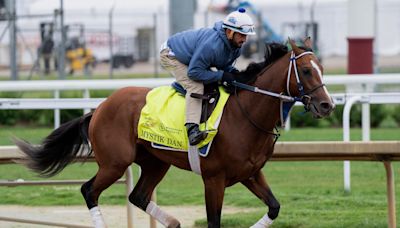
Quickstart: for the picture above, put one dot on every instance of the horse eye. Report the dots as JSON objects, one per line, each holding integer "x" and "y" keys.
{"x": 306, "y": 71}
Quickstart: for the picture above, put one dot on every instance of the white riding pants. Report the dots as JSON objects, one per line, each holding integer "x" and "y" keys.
{"x": 180, "y": 72}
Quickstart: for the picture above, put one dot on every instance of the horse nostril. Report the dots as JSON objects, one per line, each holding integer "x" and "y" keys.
{"x": 326, "y": 107}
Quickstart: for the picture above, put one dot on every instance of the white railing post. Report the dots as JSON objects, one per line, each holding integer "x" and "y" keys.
{"x": 346, "y": 138}
{"x": 57, "y": 117}
{"x": 366, "y": 114}
{"x": 365, "y": 121}
{"x": 86, "y": 94}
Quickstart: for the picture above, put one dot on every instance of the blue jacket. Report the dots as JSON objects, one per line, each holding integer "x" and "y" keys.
{"x": 202, "y": 49}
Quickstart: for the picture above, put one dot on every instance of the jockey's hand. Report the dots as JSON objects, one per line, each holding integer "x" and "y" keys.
{"x": 228, "y": 78}
{"x": 242, "y": 78}
{"x": 235, "y": 71}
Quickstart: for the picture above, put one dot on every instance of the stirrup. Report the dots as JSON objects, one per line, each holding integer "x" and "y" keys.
{"x": 195, "y": 136}
{"x": 200, "y": 136}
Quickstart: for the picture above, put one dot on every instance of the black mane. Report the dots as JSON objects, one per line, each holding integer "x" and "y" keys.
{"x": 273, "y": 51}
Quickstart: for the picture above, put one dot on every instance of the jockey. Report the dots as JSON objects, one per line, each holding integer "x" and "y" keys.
{"x": 190, "y": 55}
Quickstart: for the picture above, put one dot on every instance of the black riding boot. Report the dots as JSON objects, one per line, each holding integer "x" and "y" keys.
{"x": 194, "y": 134}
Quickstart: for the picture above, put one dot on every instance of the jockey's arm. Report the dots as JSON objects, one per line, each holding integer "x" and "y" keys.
{"x": 199, "y": 68}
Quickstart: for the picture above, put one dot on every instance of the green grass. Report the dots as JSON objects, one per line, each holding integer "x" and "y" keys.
{"x": 336, "y": 134}
{"x": 36, "y": 134}
{"x": 311, "y": 193}
{"x": 32, "y": 134}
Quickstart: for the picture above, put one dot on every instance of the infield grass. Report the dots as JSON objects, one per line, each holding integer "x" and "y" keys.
{"x": 311, "y": 193}
{"x": 36, "y": 134}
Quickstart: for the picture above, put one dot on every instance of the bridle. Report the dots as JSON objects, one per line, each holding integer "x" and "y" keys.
{"x": 304, "y": 95}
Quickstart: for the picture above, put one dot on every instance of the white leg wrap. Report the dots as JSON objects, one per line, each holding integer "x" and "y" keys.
{"x": 97, "y": 218}
{"x": 264, "y": 222}
{"x": 155, "y": 211}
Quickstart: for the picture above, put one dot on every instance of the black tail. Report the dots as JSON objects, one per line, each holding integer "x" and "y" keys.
{"x": 59, "y": 148}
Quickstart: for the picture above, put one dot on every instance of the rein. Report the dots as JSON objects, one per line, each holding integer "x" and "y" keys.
{"x": 281, "y": 96}
{"x": 276, "y": 134}
{"x": 304, "y": 98}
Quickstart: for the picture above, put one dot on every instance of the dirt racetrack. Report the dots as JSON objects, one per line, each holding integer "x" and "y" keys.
{"x": 115, "y": 216}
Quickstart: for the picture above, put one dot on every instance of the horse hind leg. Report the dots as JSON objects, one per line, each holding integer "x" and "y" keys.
{"x": 91, "y": 203}
{"x": 258, "y": 185}
{"x": 107, "y": 174}
{"x": 92, "y": 189}
{"x": 152, "y": 172}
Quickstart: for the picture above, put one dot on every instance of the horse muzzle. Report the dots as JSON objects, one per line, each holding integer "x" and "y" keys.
{"x": 320, "y": 109}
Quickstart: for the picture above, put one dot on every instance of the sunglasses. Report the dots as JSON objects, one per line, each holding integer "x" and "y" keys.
{"x": 246, "y": 28}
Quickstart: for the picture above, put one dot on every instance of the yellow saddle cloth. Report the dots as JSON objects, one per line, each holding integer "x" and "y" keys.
{"x": 162, "y": 120}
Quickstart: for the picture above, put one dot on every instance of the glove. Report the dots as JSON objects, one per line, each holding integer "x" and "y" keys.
{"x": 227, "y": 78}
{"x": 242, "y": 78}
{"x": 235, "y": 71}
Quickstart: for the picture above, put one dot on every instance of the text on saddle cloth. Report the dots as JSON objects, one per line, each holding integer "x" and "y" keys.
{"x": 162, "y": 119}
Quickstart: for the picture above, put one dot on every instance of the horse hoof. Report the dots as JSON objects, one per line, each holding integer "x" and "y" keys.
{"x": 174, "y": 224}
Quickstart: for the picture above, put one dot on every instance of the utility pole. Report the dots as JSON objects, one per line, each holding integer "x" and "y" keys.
{"x": 12, "y": 17}
{"x": 110, "y": 37}
{"x": 61, "y": 45}
{"x": 260, "y": 40}
{"x": 155, "y": 45}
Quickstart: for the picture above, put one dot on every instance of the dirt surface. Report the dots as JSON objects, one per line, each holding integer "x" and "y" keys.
{"x": 115, "y": 216}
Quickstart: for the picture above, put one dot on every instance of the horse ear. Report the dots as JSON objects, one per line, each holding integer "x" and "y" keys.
{"x": 307, "y": 42}
{"x": 293, "y": 45}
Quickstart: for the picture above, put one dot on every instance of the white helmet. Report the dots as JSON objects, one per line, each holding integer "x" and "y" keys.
{"x": 240, "y": 22}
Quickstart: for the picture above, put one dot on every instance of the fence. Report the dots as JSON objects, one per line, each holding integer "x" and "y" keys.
{"x": 284, "y": 151}
{"x": 345, "y": 152}
{"x": 364, "y": 81}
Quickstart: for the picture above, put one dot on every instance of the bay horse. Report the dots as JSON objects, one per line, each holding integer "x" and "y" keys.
{"x": 244, "y": 143}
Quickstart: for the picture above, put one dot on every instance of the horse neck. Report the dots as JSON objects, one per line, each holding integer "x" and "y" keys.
{"x": 263, "y": 109}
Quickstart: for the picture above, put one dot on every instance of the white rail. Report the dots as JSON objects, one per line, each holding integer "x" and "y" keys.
{"x": 357, "y": 79}
{"x": 53, "y": 85}
{"x": 60, "y": 85}
{"x": 91, "y": 103}
{"x": 87, "y": 103}
{"x": 50, "y": 103}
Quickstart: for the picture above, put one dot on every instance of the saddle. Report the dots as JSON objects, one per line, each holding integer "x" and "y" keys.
{"x": 209, "y": 98}
{"x": 162, "y": 119}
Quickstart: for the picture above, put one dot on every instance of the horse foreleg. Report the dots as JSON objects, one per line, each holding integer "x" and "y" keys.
{"x": 214, "y": 194}
{"x": 152, "y": 172}
{"x": 258, "y": 185}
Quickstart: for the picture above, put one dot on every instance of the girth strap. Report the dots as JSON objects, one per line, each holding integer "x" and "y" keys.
{"x": 194, "y": 159}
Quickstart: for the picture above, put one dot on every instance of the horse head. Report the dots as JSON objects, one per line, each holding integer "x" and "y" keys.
{"x": 304, "y": 80}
